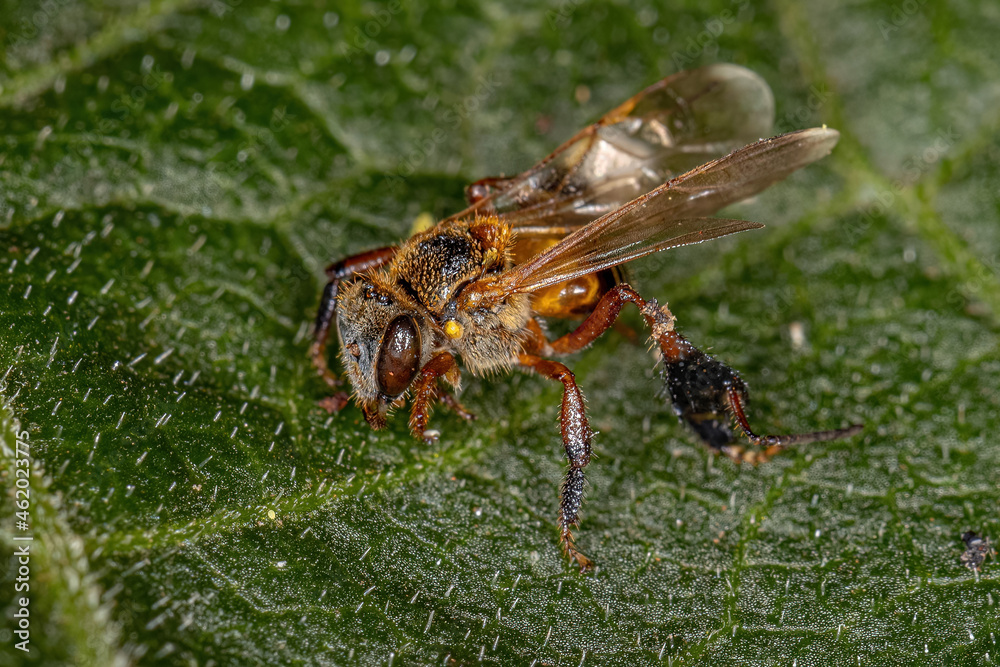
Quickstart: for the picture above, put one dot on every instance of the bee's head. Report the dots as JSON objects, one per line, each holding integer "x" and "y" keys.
{"x": 381, "y": 347}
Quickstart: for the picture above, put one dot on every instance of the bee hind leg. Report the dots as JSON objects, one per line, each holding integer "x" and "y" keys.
{"x": 772, "y": 444}
{"x": 709, "y": 395}
{"x": 706, "y": 394}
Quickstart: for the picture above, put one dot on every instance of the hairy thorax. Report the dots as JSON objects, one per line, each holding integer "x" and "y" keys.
{"x": 435, "y": 268}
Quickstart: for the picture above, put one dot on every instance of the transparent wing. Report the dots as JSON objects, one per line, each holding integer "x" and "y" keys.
{"x": 670, "y": 127}
{"x": 674, "y": 213}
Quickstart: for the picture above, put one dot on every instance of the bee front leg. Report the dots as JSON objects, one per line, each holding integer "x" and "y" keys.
{"x": 337, "y": 273}
{"x": 424, "y": 391}
{"x": 576, "y": 435}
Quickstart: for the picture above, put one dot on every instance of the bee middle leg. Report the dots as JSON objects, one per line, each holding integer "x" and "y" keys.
{"x": 484, "y": 187}
{"x": 455, "y": 406}
{"x": 576, "y": 435}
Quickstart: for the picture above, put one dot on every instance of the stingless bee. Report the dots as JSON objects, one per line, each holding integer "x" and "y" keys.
{"x": 547, "y": 244}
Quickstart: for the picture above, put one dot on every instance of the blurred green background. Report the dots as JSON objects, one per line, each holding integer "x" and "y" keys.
{"x": 174, "y": 175}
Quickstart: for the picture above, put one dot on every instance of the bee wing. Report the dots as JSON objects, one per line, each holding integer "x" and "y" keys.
{"x": 670, "y": 127}
{"x": 672, "y": 215}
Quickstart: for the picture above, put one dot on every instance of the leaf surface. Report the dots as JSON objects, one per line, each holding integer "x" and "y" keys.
{"x": 174, "y": 175}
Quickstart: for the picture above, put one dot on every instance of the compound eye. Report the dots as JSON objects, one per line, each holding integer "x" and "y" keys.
{"x": 399, "y": 358}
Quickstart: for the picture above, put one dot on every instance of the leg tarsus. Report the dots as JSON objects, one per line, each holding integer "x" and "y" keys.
{"x": 740, "y": 454}
{"x": 426, "y": 391}
{"x": 570, "y": 499}
{"x": 773, "y": 444}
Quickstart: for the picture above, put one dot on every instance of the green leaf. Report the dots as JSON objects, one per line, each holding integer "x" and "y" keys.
{"x": 174, "y": 175}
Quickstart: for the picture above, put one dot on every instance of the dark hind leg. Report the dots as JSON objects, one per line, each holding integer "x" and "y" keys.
{"x": 708, "y": 395}
{"x": 705, "y": 392}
